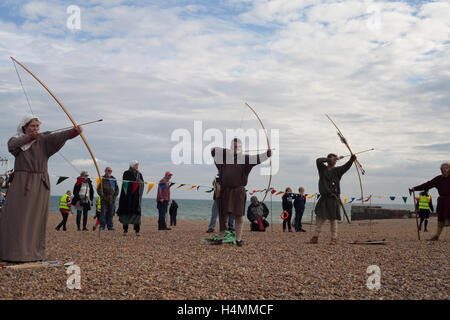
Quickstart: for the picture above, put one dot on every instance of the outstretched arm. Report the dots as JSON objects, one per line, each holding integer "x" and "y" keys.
{"x": 343, "y": 169}
{"x": 426, "y": 186}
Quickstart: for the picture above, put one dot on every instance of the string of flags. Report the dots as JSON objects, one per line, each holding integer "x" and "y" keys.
{"x": 187, "y": 186}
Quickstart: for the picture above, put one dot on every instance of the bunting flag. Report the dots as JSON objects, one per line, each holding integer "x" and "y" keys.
{"x": 198, "y": 187}
{"x": 273, "y": 191}
{"x": 379, "y": 197}
{"x": 171, "y": 184}
{"x": 404, "y": 199}
{"x": 345, "y": 200}
{"x": 253, "y": 192}
{"x": 150, "y": 186}
{"x": 279, "y": 192}
{"x": 209, "y": 191}
{"x": 318, "y": 196}
{"x": 368, "y": 198}
{"x": 311, "y": 196}
{"x": 98, "y": 182}
{"x": 353, "y": 199}
{"x": 61, "y": 179}
{"x": 125, "y": 186}
{"x": 392, "y": 198}
{"x": 181, "y": 185}
{"x": 135, "y": 186}
{"x": 112, "y": 183}
{"x": 191, "y": 187}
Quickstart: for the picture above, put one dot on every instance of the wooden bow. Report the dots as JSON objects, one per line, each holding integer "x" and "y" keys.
{"x": 67, "y": 113}
{"x": 357, "y": 164}
{"x": 268, "y": 145}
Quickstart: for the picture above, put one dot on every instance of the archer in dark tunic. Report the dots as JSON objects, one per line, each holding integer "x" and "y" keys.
{"x": 328, "y": 206}
{"x": 234, "y": 169}
{"x": 129, "y": 211}
{"x": 442, "y": 184}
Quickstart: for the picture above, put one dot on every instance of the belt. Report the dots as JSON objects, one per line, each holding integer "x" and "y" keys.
{"x": 28, "y": 178}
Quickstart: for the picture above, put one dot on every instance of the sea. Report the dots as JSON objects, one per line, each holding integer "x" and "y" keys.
{"x": 190, "y": 209}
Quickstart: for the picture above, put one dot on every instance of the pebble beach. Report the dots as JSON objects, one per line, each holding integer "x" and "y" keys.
{"x": 175, "y": 264}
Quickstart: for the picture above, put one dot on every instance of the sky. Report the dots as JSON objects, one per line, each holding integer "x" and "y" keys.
{"x": 380, "y": 69}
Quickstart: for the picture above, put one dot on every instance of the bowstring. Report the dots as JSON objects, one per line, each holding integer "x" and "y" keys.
{"x": 20, "y": 80}
{"x": 31, "y": 109}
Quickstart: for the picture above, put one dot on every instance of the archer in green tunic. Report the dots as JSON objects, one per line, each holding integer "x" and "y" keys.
{"x": 328, "y": 206}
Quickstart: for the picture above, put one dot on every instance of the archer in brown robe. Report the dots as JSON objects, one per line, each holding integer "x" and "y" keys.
{"x": 24, "y": 218}
{"x": 442, "y": 184}
{"x": 234, "y": 168}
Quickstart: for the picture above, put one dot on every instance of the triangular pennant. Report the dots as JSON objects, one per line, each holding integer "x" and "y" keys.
{"x": 392, "y": 198}
{"x": 61, "y": 179}
{"x": 345, "y": 200}
{"x": 181, "y": 185}
{"x": 404, "y": 199}
{"x": 125, "y": 186}
{"x": 171, "y": 184}
{"x": 278, "y": 193}
{"x": 198, "y": 187}
{"x": 318, "y": 196}
{"x": 273, "y": 191}
{"x": 150, "y": 186}
{"x": 212, "y": 189}
{"x": 135, "y": 186}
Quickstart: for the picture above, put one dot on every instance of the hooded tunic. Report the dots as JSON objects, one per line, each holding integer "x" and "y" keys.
{"x": 328, "y": 206}
{"x": 442, "y": 184}
{"x": 233, "y": 175}
{"x": 24, "y": 218}
{"x": 129, "y": 211}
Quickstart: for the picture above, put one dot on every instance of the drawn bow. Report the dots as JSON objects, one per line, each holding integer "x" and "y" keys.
{"x": 357, "y": 164}
{"x": 67, "y": 113}
{"x": 268, "y": 145}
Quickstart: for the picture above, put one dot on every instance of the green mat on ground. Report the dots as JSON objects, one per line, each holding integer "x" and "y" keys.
{"x": 229, "y": 237}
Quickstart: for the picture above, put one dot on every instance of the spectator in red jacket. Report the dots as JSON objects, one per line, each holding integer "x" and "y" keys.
{"x": 162, "y": 199}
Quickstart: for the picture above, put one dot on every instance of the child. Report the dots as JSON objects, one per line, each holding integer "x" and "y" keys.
{"x": 65, "y": 206}
{"x": 98, "y": 212}
{"x": 287, "y": 206}
{"x": 299, "y": 205}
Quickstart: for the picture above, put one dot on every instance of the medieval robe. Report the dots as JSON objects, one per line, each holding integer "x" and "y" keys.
{"x": 328, "y": 206}
{"x": 442, "y": 184}
{"x": 24, "y": 218}
{"x": 234, "y": 170}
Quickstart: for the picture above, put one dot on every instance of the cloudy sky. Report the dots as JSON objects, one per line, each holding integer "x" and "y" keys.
{"x": 380, "y": 69}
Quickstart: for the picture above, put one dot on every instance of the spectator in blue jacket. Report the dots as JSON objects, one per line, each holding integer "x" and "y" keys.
{"x": 299, "y": 206}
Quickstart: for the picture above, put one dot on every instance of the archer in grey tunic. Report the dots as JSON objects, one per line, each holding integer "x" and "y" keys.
{"x": 328, "y": 206}
{"x": 24, "y": 219}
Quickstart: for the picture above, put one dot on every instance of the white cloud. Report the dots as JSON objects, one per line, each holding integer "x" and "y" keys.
{"x": 148, "y": 70}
